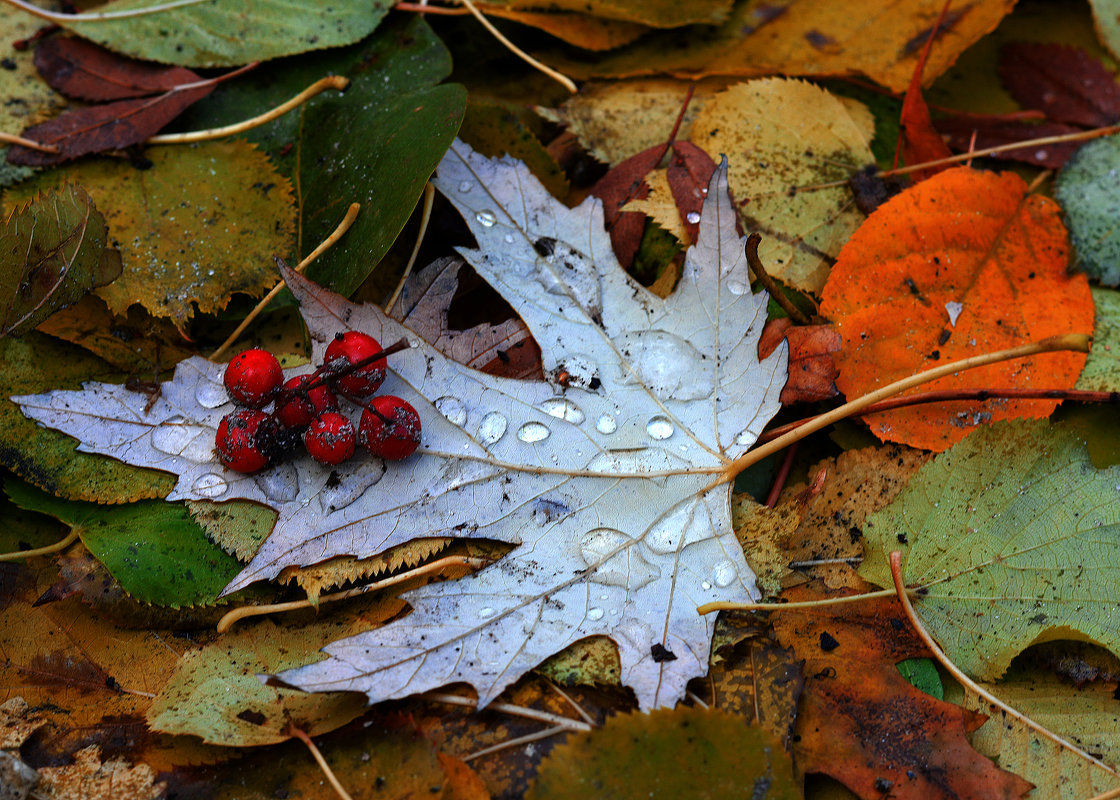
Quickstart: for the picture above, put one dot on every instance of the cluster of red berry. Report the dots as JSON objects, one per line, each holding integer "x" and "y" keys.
{"x": 307, "y": 408}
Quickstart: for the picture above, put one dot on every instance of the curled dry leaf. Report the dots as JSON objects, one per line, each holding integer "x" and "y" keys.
{"x": 601, "y": 474}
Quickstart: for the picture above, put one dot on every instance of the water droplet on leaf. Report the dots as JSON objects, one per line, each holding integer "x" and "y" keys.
{"x": 492, "y": 428}
{"x": 595, "y": 614}
{"x": 693, "y": 218}
{"x": 465, "y": 186}
{"x": 606, "y": 424}
{"x": 210, "y": 486}
{"x": 532, "y": 432}
{"x": 724, "y": 573}
{"x": 486, "y": 218}
{"x": 563, "y": 408}
{"x": 659, "y": 428}
{"x": 210, "y": 394}
{"x": 280, "y": 483}
{"x": 453, "y": 409}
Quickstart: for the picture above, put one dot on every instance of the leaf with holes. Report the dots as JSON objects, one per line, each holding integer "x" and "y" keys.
{"x": 606, "y": 475}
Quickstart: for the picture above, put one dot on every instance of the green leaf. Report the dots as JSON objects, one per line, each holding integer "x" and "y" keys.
{"x": 681, "y": 752}
{"x": 922, "y": 673}
{"x": 52, "y": 251}
{"x": 154, "y": 550}
{"x": 1102, "y": 370}
{"x": 228, "y": 33}
{"x": 1010, "y": 538}
{"x": 376, "y": 144}
{"x": 46, "y": 458}
{"x": 202, "y": 223}
{"x": 238, "y": 527}
{"x": 1090, "y": 194}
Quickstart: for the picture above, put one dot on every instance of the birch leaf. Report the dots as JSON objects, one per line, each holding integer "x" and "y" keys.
{"x": 602, "y": 477}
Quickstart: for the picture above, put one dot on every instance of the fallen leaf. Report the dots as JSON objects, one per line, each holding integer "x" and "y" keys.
{"x": 621, "y": 186}
{"x": 918, "y": 141}
{"x": 1106, "y": 19}
{"x": 812, "y": 368}
{"x": 1091, "y": 200}
{"x": 606, "y": 548}
{"x": 1102, "y": 369}
{"x": 199, "y": 211}
{"x": 970, "y": 132}
{"x": 803, "y": 37}
{"x": 28, "y": 99}
{"x": 81, "y": 69}
{"x": 862, "y": 723}
{"x": 961, "y": 264}
{"x": 495, "y": 128}
{"x": 16, "y": 724}
{"x": 49, "y": 459}
{"x": 1008, "y": 540}
{"x": 582, "y": 30}
{"x": 220, "y": 35}
{"x": 801, "y": 232}
{"x": 90, "y": 778}
{"x": 318, "y": 578}
{"x": 53, "y": 250}
{"x": 1065, "y": 83}
{"x": 654, "y": 13}
{"x": 683, "y": 752}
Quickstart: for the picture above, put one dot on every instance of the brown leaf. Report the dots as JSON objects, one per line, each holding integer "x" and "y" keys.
{"x": 1065, "y": 83}
{"x": 81, "y": 69}
{"x": 105, "y": 127}
{"x": 688, "y": 173}
{"x": 618, "y": 187}
{"x": 864, "y": 724}
{"x": 812, "y": 370}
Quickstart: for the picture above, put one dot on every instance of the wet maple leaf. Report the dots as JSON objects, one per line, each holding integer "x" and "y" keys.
{"x": 602, "y": 474}
{"x": 964, "y": 263}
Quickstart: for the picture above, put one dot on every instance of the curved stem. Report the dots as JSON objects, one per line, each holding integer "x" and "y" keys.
{"x": 300, "y": 734}
{"x": 964, "y": 680}
{"x": 11, "y": 138}
{"x": 94, "y": 16}
{"x": 723, "y": 605}
{"x": 425, "y": 216}
{"x": 43, "y": 551}
{"x": 563, "y": 80}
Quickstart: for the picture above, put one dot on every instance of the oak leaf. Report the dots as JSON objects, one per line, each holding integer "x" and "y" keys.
{"x": 602, "y": 474}
{"x": 964, "y": 263}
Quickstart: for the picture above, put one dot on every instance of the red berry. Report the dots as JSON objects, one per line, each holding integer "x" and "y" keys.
{"x": 246, "y": 439}
{"x": 296, "y": 408}
{"x": 349, "y": 348}
{"x": 330, "y": 439}
{"x": 390, "y": 428}
{"x": 253, "y": 377}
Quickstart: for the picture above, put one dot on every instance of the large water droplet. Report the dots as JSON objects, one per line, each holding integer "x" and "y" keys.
{"x": 465, "y": 186}
{"x": 176, "y": 437}
{"x": 281, "y": 483}
{"x": 659, "y": 428}
{"x": 210, "y": 486}
{"x": 595, "y": 614}
{"x": 210, "y": 394}
{"x": 486, "y": 218}
{"x": 616, "y": 563}
{"x": 453, "y": 409}
{"x": 492, "y": 428}
{"x": 669, "y": 365}
{"x": 347, "y": 486}
{"x": 693, "y": 218}
{"x": 724, "y": 573}
{"x": 606, "y": 424}
{"x": 532, "y": 432}
{"x": 563, "y": 408}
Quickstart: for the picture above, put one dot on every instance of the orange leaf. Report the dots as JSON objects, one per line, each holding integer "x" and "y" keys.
{"x": 961, "y": 264}
{"x": 862, "y": 723}
{"x": 918, "y": 141}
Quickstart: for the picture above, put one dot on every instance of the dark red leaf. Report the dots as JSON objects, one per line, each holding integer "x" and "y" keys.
{"x": 812, "y": 370}
{"x": 997, "y": 131}
{"x": 918, "y": 140}
{"x": 624, "y": 183}
{"x": 106, "y": 127}
{"x": 1065, "y": 83}
{"x": 81, "y": 69}
{"x": 689, "y": 171}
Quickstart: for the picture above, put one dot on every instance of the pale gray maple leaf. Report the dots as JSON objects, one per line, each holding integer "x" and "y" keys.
{"x": 602, "y": 475}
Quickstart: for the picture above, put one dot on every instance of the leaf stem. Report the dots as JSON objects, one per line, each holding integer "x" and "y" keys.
{"x": 228, "y": 621}
{"x": 563, "y": 80}
{"x": 1070, "y": 341}
{"x": 326, "y": 244}
{"x": 947, "y": 395}
{"x": 11, "y": 138}
{"x": 723, "y": 605}
{"x": 300, "y": 734}
{"x": 768, "y": 283}
{"x": 964, "y": 680}
{"x": 321, "y": 85}
{"x": 45, "y": 550}
{"x": 509, "y": 708}
{"x": 94, "y": 16}
{"x": 425, "y": 217}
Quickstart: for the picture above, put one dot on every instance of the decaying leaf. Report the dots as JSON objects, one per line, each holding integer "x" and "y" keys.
{"x": 602, "y": 474}
{"x": 53, "y": 250}
{"x": 91, "y": 778}
{"x": 1010, "y": 537}
{"x": 963, "y": 263}
{"x": 81, "y": 69}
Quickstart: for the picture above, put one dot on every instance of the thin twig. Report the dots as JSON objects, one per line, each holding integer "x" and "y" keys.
{"x": 237, "y": 614}
{"x": 300, "y": 734}
{"x": 94, "y": 16}
{"x": 947, "y": 395}
{"x": 695, "y": 698}
{"x": 526, "y": 739}
{"x": 425, "y": 216}
{"x": 579, "y": 709}
{"x": 347, "y": 221}
{"x": 768, "y": 283}
{"x": 424, "y": 8}
{"x": 11, "y": 138}
{"x": 1071, "y": 341}
{"x": 321, "y": 85}
{"x": 45, "y": 550}
{"x": 509, "y": 708}
{"x": 781, "y": 478}
{"x": 562, "y": 79}
{"x": 963, "y": 679}
{"x": 723, "y": 605}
